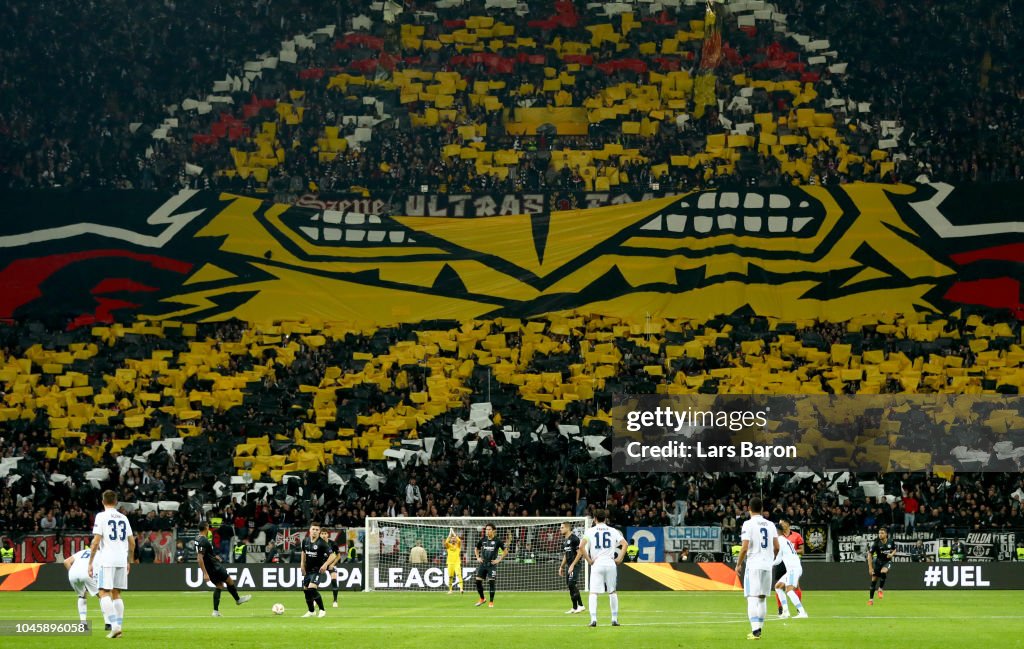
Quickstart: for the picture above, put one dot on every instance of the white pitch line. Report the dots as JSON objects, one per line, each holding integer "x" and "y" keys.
{"x": 496, "y": 625}
{"x": 921, "y": 617}
{"x": 443, "y": 620}
{"x": 500, "y": 621}
{"x": 448, "y": 614}
{"x": 444, "y": 615}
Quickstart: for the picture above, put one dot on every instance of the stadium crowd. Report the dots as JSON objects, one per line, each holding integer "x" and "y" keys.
{"x": 945, "y": 72}
{"x": 118, "y": 66}
{"x": 544, "y": 474}
{"x": 77, "y": 76}
{"x": 954, "y": 89}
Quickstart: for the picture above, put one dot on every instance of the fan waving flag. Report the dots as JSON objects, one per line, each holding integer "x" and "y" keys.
{"x": 711, "y": 56}
{"x": 711, "y": 51}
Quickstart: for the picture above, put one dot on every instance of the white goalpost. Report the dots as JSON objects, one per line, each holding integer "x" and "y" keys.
{"x": 393, "y": 559}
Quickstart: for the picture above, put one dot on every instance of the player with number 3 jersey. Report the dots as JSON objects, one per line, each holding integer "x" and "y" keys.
{"x": 757, "y": 553}
{"x": 604, "y": 548}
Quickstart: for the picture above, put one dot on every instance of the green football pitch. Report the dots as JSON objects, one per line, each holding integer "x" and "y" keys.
{"x": 909, "y": 620}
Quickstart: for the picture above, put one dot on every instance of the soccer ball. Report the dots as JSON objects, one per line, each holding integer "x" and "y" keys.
{"x": 278, "y": 609}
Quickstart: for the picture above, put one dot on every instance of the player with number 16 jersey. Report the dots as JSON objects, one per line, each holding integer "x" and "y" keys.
{"x": 604, "y": 548}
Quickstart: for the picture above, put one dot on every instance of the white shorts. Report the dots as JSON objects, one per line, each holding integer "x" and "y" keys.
{"x": 757, "y": 583}
{"x": 792, "y": 578}
{"x": 603, "y": 577}
{"x": 109, "y": 578}
{"x": 83, "y": 586}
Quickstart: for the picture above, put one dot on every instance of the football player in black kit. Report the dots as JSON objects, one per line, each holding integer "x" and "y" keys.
{"x": 879, "y": 561}
{"x": 335, "y": 557}
{"x": 570, "y": 557}
{"x": 213, "y": 572}
{"x": 489, "y": 552}
{"x": 314, "y": 555}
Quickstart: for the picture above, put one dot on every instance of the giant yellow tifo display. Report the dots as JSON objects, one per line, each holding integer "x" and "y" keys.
{"x": 792, "y": 253}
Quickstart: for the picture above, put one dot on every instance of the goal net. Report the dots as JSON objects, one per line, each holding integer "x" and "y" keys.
{"x": 409, "y": 554}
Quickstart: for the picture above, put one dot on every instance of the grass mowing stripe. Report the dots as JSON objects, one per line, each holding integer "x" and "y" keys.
{"x": 838, "y": 620}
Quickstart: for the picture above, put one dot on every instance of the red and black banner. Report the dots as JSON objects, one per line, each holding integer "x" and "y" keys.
{"x": 831, "y": 253}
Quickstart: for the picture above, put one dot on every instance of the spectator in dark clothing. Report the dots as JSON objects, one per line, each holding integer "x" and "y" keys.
{"x": 146, "y": 553}
{"x": 180, "y": 554}
{"x": 272, "y": 554}
{"x": 227, "y": 533}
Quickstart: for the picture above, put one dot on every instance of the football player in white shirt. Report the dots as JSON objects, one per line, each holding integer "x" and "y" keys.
{"x": 77, "y": 566}
{"x": 603, "y": 548}
{"x": 113, "y": 546}
{"x": 760, "y": 545}
{"x": 791, "y": 579}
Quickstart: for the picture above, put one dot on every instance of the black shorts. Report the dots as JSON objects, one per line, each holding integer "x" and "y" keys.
{"x": 880, "y": 566}
{"x": 316, "y": 579}
{"x": 218, "y": 574}
{"x": 486, "y": 571}
{"x": 571, "y": 576}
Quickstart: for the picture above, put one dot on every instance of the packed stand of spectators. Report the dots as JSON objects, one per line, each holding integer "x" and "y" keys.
{"x": 546, "y": 474}
{"x": 75, "y": 79}
{"x": 948, "y": 71}
{"x": 945, "y": 71}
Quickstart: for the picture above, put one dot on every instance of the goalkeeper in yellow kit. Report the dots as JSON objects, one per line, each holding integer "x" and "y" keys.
{"x": 453, "y": 546}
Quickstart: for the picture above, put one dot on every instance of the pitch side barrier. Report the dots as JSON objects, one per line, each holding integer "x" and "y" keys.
{"x": 1003, "y": 575}
{"x": 278, "y": 576}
